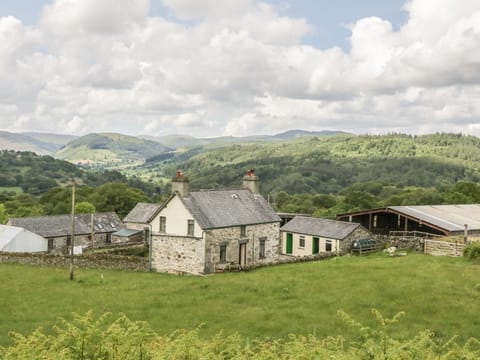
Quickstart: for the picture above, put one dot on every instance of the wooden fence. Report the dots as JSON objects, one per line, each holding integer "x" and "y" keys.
{"x": 443, "y": 248}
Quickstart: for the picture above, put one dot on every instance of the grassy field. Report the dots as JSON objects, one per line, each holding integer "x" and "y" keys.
{"x": 438, "y": 293}
{"x": 16, "y": 189}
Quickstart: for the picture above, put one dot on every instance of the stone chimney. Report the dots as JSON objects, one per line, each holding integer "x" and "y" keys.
{"x": 251, "y": 182}
{"x": 180, "y": 184}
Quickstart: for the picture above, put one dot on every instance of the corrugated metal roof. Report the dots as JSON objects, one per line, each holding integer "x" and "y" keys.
{"x": 448, "y": 217}
{"x": 320, "y": 227}
{"x": 142, "y": 213}
{"x": 217, "y": 209}
{"x": 61, "y": 225}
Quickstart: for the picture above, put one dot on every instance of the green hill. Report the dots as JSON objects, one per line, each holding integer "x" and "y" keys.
{"x": 35, "y": 174}
{"x": 187, "y": 141}
{"x": 328, "y": 164}
{"x": 109, "y": 149}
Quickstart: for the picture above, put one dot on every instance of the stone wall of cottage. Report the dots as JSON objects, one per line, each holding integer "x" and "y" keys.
{"x": 178, "y": 254}
{"x": 231, "y": 237}
{"x": 358, "y": 234}
{"x": 94, "y": 261}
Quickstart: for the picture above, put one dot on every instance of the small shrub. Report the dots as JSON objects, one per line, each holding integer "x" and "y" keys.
{"x": 472, "y": 251}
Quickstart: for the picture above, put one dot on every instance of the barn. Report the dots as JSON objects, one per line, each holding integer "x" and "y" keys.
{"x": 448, "y": 220}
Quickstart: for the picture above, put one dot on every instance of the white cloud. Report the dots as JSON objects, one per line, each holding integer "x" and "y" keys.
{"x": 71, "y": 17}
{"x": 191, "y": 9}
{"x": 237, "y": 67}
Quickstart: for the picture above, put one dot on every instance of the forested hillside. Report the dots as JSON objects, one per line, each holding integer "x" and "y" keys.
{"x": 372, "y": 170}
{"x": 32, "y": 185}
{"x": 329, "y": 164}
{"x": 323, "y": 175}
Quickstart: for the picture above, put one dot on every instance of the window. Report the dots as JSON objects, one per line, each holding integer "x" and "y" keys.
{"x": 223, "y": 253}
{"x": 50, "y": 244}
{"x": 190, "y": 227}
{"x": 261, "y": 251}
{"x": 243, "y": 231}
{"x": 163, "y": 224}
{"x": 375, "y": 219}
{"x": 302, "y": 241}
{"x": 328, "y": 245}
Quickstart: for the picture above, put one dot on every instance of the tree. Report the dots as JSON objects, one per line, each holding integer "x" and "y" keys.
{"x": 3, "y": 214}
{"x": 85, "y": 207}
{"x": 23, "y": 205}
{"x": 117, "y": 197}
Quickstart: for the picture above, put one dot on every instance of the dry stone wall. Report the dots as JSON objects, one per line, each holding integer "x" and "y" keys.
{"x": 95, "y": 261}
{"x": 443, "y": 248}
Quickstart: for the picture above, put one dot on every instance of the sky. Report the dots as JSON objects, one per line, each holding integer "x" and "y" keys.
{"x": 239, "y": 67}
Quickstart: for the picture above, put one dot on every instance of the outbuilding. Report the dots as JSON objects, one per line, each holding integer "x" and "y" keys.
{"x": 304, "y": 236}
{"x": 16, "y": 239}
{"x": 449, "y": 220}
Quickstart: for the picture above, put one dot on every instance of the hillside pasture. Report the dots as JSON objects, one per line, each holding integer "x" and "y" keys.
{"x": 437, "y": 293}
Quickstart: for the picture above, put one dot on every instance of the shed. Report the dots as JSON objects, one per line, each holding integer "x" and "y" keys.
{"x": 16, "y": 239}
{"x": 305, "y": 235}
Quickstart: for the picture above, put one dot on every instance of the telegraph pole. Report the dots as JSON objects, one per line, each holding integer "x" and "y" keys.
{"x": 72, "y": 240}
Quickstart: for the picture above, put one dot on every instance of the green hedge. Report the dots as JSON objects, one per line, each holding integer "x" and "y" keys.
{"x": 472, "y": 251}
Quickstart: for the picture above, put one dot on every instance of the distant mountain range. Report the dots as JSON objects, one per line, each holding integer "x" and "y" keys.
{"x": 113, "y": 148}
{"x": 181, "y": 141}
{"x": 40, "y": 143}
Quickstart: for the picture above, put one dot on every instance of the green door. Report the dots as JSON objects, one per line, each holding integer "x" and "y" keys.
{"x": 315, "y": 245}
{"x": 289, "y": 243}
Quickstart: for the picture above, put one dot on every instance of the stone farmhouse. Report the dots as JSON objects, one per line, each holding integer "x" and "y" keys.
{"x": 210, "y": 231}
{"x": 305, "y": 236}
{"x": 57, "y": 229}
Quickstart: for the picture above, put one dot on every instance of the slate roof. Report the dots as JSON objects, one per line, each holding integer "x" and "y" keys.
{"x": 142, "y": 213}
{"x": 325, "y": 228}
{"x": 126, "y": 232}
{"x": 225, "y": 208}
{"x": 448, "y": 217}
{"x": 61, "y": 225}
